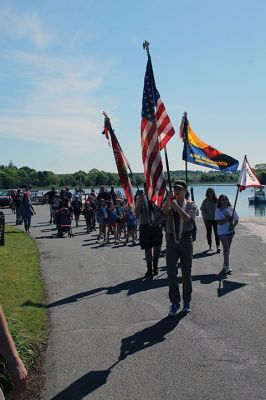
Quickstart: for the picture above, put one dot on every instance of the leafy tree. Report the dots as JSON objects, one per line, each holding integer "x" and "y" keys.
{"x": 8, "y": 180}
{"x": 138, "y": 179}
{"x": 261, "y": 166}
{"x": 101, "y": 179}
{"x": 261, "y": 175}
{"x": 80, "y": 178}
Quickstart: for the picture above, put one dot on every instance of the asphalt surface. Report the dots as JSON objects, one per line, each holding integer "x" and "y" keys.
{"x": 110, "y": 337}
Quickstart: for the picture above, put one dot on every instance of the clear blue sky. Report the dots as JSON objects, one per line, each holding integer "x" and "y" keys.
{"x": 63, "y": 62}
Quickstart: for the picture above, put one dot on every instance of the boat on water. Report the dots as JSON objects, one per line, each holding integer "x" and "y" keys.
{"x": 258, "y": 197}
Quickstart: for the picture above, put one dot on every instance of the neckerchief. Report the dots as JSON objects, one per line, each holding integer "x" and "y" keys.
{"x": 178, "y": 223}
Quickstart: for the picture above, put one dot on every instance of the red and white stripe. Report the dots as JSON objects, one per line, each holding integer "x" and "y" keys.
{"x": 165, "y": 128}
{"x": 151, "y": 156}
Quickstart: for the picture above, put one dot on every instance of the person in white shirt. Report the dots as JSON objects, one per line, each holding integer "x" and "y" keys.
{"x": 226, "y": 223}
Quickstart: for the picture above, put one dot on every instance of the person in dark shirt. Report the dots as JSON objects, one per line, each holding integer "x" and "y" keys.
{"x": 150, "y": 231}
{"x": 103, "y": 194}
{"x": 67, "y": 194}
{"x": 50, "y": 198}
{"x": 113, "y": 195}
{"x": 17, "y": 199}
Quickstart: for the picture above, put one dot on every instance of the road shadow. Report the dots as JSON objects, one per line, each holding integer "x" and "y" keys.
{"x": 226, "y": 287}
{"x": 96, "y": 245}
{"x": 148, "y": 337}
{"x": 92, "y": 239}
{"x": 204, "y": 253}
{"x": 139, "y": 285}
{"x": 83, "y": 386}
{"x": 40, "y": 224}
{"x": 207, "y": 279}
{"x": 130, "y": 345}
{"x": 54, "y": 236}
{"x": 132, "y": 287}
{"x": 51, "y": 229}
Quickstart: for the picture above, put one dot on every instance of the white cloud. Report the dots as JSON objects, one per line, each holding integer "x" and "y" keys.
{"x": 61, "y": 104}
{"x": 24, "y": 25}
{"x": 70, "y": 133}
{"x": 79, "y": 64}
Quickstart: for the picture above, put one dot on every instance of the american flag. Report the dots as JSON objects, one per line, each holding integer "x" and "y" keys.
{"x": 156, "y": 131}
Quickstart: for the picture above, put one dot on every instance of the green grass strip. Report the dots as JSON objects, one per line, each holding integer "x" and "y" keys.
{"x": 20, "y": 280}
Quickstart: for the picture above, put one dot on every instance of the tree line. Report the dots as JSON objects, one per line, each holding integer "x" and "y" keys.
{"x": 14, "y": 177}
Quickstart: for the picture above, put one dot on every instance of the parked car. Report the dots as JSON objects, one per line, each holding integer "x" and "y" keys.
{"x": 5, "y": 199}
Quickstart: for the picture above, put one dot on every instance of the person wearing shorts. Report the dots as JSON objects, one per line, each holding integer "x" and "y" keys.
{"x": 150, "y": 232}
{"x": 102, "y": 220}
{"x": 131, "y": 221}
{"x": 111, "y": 222}
{"x": 227, "y": 219}
{"x": 119, "y": 218}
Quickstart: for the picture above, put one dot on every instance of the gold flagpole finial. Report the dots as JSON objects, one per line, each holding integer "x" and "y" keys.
{"x": 146, "y": 46}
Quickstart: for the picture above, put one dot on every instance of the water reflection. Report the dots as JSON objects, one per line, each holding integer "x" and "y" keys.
{"x": 259, "y": 210}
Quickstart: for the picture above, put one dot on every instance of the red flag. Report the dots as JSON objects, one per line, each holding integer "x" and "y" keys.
{"x": 121, "y": 162}
{"x": 247, "y": 177}
{"x": 105, "y": 132}
{"x": 156, "y": 131}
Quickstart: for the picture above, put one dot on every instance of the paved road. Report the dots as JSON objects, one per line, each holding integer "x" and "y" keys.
{"x": 109, "y": 334}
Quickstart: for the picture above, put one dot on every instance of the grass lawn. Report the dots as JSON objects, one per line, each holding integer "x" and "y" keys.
{"x": 20, "y": 280}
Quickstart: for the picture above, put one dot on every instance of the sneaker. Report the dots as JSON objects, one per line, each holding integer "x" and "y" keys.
{"x": 173, "y": 310}
{"x": 228, "y": 270}
{"x": 187, "y": 307}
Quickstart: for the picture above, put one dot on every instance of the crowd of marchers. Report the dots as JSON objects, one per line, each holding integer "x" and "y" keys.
{"x": 116, "y": 221}
{"x": 143, "y": 222}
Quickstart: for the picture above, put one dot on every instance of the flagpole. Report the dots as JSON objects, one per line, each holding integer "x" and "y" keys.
{"x": 185, "y": 141}
{"x": 146, "y": 47}
{"x": 237, "y": 192}
{"x": 167, "y": 168}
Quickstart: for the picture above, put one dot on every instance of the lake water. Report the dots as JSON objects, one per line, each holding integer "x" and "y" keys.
{"x": 242, "y": 207}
